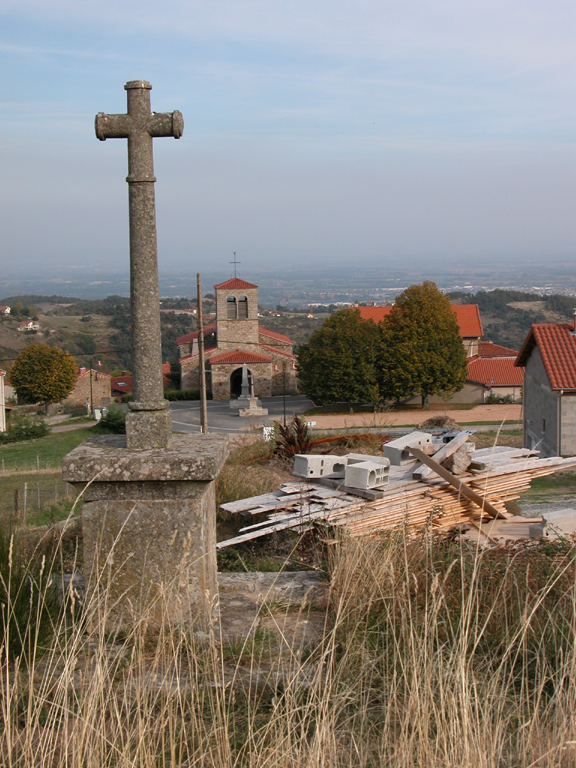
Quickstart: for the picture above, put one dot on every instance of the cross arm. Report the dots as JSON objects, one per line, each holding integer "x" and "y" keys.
{"x": 112, "y": 126}
{"x": 166, "y": 124}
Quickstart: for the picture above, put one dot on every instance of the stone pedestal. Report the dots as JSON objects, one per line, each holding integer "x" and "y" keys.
{"x": 248, "y": 406}
{"x": 149, "y": 525}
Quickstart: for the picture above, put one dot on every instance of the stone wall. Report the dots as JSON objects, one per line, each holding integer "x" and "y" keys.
{"x": 189, "y": 375}
{"x": 540, "y": 408}
{"x": 101, "y": 387}
{"x": 568, "y": 431}
{"x": 278, "y": 361}
{"x": 261, "y": 376}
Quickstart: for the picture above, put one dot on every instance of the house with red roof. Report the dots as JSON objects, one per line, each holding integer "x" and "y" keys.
{"x": 467, "y": 315}
{"x": 498, "y": 376}
{"x": 548, "y": 356}
{"x": 234, "y": 338}
{"x": 93, "y": 387}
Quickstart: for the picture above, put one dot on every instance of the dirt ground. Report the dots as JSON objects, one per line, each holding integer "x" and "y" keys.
{"x": 480, "y": 414}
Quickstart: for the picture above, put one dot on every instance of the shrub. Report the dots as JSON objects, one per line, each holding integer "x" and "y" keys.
{"x": 114, "y": 421}
{"x": 24, "y": 428}
{"x": 494, "y": 398}
{"x": 293, "y": 438}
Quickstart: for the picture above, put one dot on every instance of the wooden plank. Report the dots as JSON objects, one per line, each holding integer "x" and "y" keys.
{"x": 371, "y": 493}
{"x": 447, "y": 450}
{"x": 250, "y": 503}
{"x": 458, "y": 484}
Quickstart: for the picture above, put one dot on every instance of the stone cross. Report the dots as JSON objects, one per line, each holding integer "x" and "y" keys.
{"x": 149, "y": 425}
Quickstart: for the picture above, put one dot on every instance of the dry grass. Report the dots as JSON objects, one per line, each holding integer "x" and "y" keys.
{"x": 436, "y": 655}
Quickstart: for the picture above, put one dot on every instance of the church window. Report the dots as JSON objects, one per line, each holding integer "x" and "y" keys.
{"x": 231, "y": 308}
{"x": 243, "y": 307}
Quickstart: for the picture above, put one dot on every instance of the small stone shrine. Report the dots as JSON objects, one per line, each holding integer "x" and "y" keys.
{"x": 149, "y": 513}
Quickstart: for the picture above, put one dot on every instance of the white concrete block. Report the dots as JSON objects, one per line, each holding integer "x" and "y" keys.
{"x": 397, "y": 450}
{"x": 355, "y": 458}
{"x": 365, "y": 475}
{"x": 560, "y": 522}
{"x": 307, "y": 465}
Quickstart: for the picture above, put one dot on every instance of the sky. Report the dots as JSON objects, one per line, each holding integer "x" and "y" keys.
{"x": 316, "y": 133}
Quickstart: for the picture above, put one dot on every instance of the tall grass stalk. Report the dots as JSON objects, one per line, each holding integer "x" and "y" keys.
{"x": 434, "y": 654}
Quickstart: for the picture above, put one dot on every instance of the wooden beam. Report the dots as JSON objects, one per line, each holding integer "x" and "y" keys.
{"x": 447, "y": 450}
{"x": 461, "y": 487}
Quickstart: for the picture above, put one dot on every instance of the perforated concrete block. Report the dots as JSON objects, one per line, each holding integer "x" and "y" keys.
{"x": 356, "y": 458}
{"x": 306, "y": 465}
{"x": 365, "y": 475}
{"x": 397, "y": 450}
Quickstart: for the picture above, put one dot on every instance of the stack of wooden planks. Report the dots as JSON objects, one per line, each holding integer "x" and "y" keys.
{"x": 496, "y": 475}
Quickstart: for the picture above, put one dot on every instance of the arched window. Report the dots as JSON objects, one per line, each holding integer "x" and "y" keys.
{"x": 231, "y": 308}
{"x": 242, "y": 307}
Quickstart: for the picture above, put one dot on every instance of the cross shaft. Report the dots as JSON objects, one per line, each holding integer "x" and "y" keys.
{"x": 149, "y": 424}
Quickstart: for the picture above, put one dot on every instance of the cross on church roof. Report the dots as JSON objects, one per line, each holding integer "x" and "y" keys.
{"x": 235, "y": 263}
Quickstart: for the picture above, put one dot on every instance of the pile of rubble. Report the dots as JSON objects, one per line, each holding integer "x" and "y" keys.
{"x": 419, "y": 479}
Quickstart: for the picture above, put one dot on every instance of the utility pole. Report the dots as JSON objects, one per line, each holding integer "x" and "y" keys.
{"x": 91, "y": 399}
{"x": 284, "y": 388}
{"x": 203, "y": 406}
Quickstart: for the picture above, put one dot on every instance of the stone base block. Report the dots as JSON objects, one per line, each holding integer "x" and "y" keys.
{"x": 152, "y": 557}
{"x": 149, "y": 429}
{"x": 149, "y": 527}
{"x": 257, "y": 411}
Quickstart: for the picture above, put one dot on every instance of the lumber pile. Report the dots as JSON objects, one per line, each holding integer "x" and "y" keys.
{"x": 417, "y": 494}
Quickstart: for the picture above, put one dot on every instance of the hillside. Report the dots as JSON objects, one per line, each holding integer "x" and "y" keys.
{"x": 101, "y": 328}
{"x": 98, "y": 329}
{"x": 508, "y": 315}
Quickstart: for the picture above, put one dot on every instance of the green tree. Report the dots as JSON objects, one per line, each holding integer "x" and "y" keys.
{"x": 339, "y": 362}
{"x": 422, "y": 351}
{"x": 86, "y": 343}
{"x": 43, "y": 374}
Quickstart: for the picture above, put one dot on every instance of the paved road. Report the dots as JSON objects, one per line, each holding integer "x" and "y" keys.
{"x": 222, "y": 418}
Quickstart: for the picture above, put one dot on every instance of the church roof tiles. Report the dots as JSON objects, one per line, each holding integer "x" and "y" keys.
{"x": 238, "y": 356}
{"x": 234, "y": 284}
{"x": 274, "y": 335}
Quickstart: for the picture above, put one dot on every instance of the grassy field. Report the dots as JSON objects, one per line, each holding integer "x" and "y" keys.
{"x": 48, "y": 498}
{"x": 50, "y": 450}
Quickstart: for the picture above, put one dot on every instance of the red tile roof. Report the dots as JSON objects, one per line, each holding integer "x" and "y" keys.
{"x": 234, "y": 284}
{"x": 490, "y": 349}
{"x": 557, "y": 346}
{"x": 467, "y": 315}
{"x": 274, "y": 335}
{"x": 278, "y": 351}
{"x": 238, "y": 356}
{"x": 122, "y": 384}
{"x": 208, "y": 330}
{"x": 495, "y": 372}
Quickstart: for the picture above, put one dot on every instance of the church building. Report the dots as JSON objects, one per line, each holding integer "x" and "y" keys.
{"x": 235, "y": 338}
